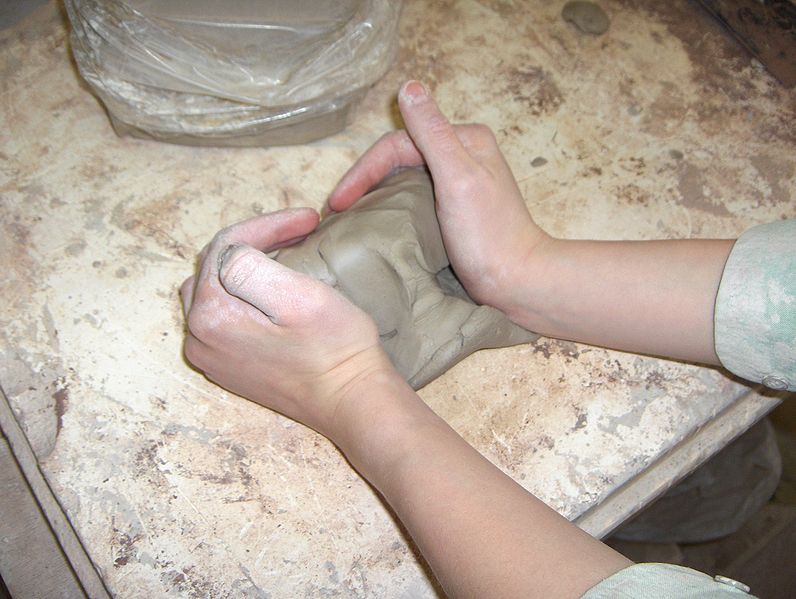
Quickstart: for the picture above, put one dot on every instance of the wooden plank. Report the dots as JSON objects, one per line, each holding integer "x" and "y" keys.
{"x": 76, "y": 576}
{"x": 767, "y": 29}
{"x": 31, "y": 561}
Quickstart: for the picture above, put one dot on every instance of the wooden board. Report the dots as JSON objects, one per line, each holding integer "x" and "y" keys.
{"x": 767, "y": 29}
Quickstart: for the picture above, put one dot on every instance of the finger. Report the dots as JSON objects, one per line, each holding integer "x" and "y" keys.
{"x": 203, "y": 254}
{"x": 282, "y": 294}
{"x": 433, "y": 134}
{"x": 186, "y": 294}
{"x": 391, "y": 151}
{"x": 265, "y": 233}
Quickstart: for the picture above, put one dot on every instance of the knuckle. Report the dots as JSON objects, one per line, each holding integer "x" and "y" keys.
{"x": 196, "y": 325}
{"x": 438, "y": 126}
{"x": 312, "y": 304}
{"x": 314, "y": 301}
{"x": 399, "y": 144}
{"x": 480, "y": 137}
{"x": 222, "y": 239}
{"x": 239, "y": 270}
{"x": 201, "y": 323}
{"x": 192, "y": 348}
{"x": 465, "y": 185}
{"x": 484, "y": 132}
{"x": 219, "y": 240}
{"x": 186, "y": 285}
{"x": 389, "y": 138}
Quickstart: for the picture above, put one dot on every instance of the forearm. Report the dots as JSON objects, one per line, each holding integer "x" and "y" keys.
{"x": 482, "y": 533}
{"x": 654, "y": 297}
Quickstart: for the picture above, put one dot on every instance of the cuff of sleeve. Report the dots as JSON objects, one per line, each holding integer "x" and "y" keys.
{"x": 755, "y": 315}
{"x": 651, "y": 581}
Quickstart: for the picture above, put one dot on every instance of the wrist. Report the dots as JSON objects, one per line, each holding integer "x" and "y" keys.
{"x": 377, "y": 420}
{"x": 529, "y": 289}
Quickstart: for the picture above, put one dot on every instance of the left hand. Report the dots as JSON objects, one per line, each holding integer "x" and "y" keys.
{"x": 490, "y": 238}
{"x": 273, "y": 335}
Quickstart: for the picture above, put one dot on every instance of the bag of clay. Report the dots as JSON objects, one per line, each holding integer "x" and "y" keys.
{"x": 241, "y": 72}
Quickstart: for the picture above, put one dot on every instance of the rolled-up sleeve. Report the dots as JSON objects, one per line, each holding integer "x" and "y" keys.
{"x": 653, "y": 581}
{"x": 755, "y": 315}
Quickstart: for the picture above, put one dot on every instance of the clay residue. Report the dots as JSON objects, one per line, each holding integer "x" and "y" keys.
{"x": 125, "y": 547}
{"x": 386, "y": 255}
{"x": 667, "y": 112}
{"x": 692, "y": 186}
{"x": 556, "y": 347}
{"x": 61, "y": 397}
{"x": 505, "y": 8}
{"x": 535, "y": 88}
{"x": 588, "y": 17}
{"x": 632, "y": 194}
{"x": 35, "y": 386}
{"x": 719, "y": 71}
{"x": 152, "y": 221}
{"x": 775, "y": 173}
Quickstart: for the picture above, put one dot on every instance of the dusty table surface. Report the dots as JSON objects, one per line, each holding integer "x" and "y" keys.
{"x": 662, "y": 127}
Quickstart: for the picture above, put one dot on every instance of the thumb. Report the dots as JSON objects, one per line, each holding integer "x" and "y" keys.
{"x": 266, "y": 232}
{"x": 433, "y": 134}
{"x": 285, "y": 296}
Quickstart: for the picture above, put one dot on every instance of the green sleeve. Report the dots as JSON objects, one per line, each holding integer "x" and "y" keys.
{"x": 755, "y": 315}
{"x": 654, "y": 581}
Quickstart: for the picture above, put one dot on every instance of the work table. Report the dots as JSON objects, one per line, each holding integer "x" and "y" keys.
{"x": 660, "y": 128}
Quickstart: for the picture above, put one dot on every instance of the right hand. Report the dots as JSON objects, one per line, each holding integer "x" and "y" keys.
{"x": 276, "y": 336}
{"x": 488, "y": 233}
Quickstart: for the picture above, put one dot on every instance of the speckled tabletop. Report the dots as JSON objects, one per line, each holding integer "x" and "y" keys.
{"x": 662, "y": 127}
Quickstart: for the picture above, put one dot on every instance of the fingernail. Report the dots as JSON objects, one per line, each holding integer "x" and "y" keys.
{"x": 413, "y": 91}
{"x": 225, "y": 254}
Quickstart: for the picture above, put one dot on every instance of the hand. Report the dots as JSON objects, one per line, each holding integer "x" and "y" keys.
{"x": 646, "y": 297}
{"x": 488, "y": 233}
{"x": 273, "y": 335}
{"x": 295, "y": 345}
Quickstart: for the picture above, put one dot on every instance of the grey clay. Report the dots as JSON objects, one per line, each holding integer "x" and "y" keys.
{"x": 387, "y": 256}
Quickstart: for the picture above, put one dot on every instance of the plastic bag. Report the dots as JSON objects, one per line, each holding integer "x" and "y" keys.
{"x": 244, "y": 72}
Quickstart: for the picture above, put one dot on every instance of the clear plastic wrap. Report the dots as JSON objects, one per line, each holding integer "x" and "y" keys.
{"x": 243, "y": 72}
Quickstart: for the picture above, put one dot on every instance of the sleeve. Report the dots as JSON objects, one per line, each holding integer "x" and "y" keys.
{"x": 755, "y": 315}
{"x": 652, "y": 581}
